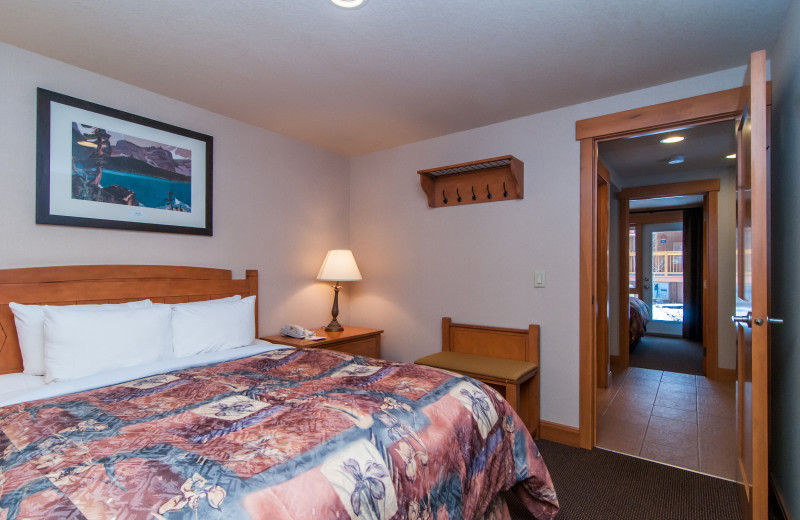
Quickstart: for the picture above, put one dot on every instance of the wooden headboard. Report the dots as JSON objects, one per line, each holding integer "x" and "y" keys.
{"x": 85, "y": 284}
{"x": 518, "y": 344}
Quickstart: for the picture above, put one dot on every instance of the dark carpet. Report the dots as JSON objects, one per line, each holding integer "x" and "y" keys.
{"x": 600, "y": 484}
{"x": 670, "y": 354}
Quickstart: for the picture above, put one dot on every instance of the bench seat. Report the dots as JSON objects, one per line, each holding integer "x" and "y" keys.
{"x": 473, "y": 365}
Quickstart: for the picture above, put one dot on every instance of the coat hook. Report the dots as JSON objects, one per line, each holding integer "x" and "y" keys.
{"x": 459, "y": 195}
{"x": 474, "y": 197}
{"x": 505, "y": 191}
{"x": 488, "y": 193}
{"x": 444, "y": 197}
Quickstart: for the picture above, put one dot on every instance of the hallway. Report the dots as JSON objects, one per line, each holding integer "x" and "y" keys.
{"x": 670, "y": 354}
{"x": 679, "y": 419}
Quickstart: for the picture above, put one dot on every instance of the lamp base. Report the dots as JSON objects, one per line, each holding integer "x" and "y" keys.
{"x": 334, "y": 326}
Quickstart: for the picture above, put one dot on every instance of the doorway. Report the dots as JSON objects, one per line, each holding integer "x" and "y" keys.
{"x": 662, "y": 412}
{"x": 662, "y": 291}
{"x": 665, "y": 288}
{"x": 709, "y": 108}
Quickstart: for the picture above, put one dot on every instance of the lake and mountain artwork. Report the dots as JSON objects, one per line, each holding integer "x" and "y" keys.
{"x": 116, "y": 168}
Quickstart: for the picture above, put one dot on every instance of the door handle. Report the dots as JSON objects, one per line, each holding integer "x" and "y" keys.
{"x": 759, "y": 321}
{"x": 746, "y": 320}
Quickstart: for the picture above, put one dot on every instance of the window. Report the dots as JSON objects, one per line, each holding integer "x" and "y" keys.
{"x": 632, "y": 258}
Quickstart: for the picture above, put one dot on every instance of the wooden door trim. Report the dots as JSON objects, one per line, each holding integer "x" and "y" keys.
{"x": 711, "y": 289}
{"x": 706, "y": 108}
{"x": 674, "y": 189}
{"x": 719, "y": 106}
{"x": 660, "y": 217}
{"x": 623, "y": 358}
{"x": 603, "y": 261}
{"x": 586, "y": 303}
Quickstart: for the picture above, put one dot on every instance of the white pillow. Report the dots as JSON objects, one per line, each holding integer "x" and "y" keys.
{"x": 30, "y": 330}
{"x": 213, "y": 325}
{"x": 79, "y": 343}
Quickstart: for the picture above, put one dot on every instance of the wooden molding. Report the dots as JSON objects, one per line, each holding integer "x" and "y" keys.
{"x": 711, "y": 284}
{"x": 560, "y": 433}
{"x": 669, "y": 190}
{"x": 623, "y": 304}
{"x": 707, "y": 107}
{"x": 602, "y": 320}
{"x": 586, "y": 306}
{"x": 658, "y": 217}
{"x": 726, "y": 375}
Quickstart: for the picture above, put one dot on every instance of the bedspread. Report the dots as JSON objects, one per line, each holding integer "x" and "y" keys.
{"x": 291, "y": 433}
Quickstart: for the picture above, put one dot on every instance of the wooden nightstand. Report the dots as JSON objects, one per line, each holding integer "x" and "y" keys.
{"x": 353, "y": 340}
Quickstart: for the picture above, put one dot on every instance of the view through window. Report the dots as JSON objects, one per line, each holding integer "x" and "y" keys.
{"x": 667, "y": 275}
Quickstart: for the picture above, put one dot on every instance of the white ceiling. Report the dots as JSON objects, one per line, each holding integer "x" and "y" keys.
{"x": 704, "y": 149}
{"x": 392, "y": 71}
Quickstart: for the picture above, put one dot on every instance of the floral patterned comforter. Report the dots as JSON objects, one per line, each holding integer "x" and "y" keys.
{"x": 289, "y": 433}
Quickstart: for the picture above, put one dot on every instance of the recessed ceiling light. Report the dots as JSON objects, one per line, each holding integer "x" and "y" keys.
{"x": 349, "y": 4}
{"x": 672, "y": 139}
{"x": 675, "y": 159}
{"x": 731, "y": 156}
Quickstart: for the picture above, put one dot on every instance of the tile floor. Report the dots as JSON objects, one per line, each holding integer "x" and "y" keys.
{"x": 679, "y": 419}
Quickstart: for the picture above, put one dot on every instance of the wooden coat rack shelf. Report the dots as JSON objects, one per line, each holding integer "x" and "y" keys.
{"x": 489, "y": 180}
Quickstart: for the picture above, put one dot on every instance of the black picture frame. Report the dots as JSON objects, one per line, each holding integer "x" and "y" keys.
{"x": 153, "y": 177}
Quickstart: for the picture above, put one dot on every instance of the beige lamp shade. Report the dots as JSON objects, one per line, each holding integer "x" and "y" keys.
{"x": 339, "y": 266}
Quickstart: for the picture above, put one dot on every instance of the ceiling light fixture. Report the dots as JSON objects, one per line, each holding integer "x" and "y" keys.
{"x": 673, "y": 139}
{"x": 731, "y": 156}
{"x": 675, "y": 159}
{"x": 348, "y": 4}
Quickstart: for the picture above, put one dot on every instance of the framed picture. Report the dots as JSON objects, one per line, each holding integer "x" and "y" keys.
{"x": 101, "y": 167}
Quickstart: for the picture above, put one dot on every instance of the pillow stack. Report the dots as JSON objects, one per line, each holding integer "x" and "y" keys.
{"x": 72, "y": 341}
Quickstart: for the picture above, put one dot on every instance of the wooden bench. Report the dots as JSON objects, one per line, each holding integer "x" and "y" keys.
{"x": 505, "y": 359}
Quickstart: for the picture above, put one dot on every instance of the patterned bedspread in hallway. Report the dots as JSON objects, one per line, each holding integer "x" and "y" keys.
{"x": 289, "y": 433}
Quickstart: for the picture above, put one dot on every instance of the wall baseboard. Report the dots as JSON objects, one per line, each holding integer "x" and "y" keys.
{"x": 560, "y": 433}
{"x": 726, "y": 374}
{"x": 777, "y": 506}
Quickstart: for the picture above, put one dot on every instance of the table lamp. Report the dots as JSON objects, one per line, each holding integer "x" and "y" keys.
{"x": 339, "y": 266}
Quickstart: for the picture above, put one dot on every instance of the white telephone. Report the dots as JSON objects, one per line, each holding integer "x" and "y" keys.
{"x": 296, "y": 331}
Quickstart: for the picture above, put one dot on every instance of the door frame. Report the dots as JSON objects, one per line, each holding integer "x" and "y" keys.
{"x": 710, "y": 191}
{"x": 707, "y": 108}
{"x": 603, "y": 265}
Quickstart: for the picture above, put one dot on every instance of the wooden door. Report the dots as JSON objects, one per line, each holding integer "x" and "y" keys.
{"x": 752, "y": 295}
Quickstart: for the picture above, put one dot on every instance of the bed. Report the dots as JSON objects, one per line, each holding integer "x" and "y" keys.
{"x": 252, "y": 431}
{"x": 638, "y": 318}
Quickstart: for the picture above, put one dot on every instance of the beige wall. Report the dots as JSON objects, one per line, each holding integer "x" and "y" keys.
{"x": 475, "y": 263}
{"x": 279, "y": 204}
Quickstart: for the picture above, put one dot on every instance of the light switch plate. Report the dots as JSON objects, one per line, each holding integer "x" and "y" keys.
{"x": 539, "y": 278}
